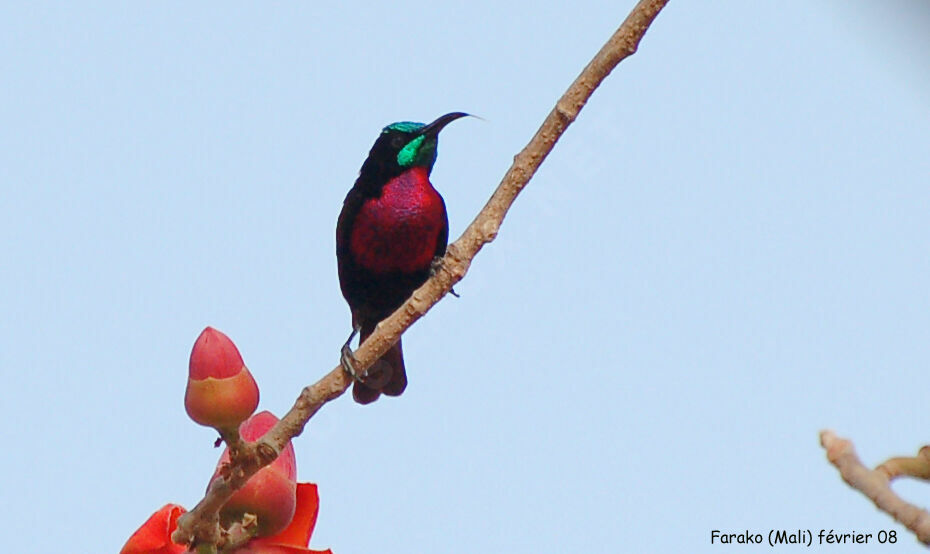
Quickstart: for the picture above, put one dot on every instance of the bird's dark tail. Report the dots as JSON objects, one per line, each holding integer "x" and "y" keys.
{"x": 387, "y": 375}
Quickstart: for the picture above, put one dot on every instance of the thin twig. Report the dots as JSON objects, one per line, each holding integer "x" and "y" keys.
{"x": 875, "y": 484}
{"x": 624, "y": 42}
{"x": 917, "y": 467}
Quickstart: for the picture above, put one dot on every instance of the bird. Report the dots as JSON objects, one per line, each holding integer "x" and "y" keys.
{"x": 392, "y": 229}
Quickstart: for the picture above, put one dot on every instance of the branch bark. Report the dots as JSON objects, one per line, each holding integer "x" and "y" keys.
{"x": 876, "y": 484}
{"x": 199, "y": 525}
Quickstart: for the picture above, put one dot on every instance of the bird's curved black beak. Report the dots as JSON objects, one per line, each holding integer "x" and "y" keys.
{"x": 433, "y": 128}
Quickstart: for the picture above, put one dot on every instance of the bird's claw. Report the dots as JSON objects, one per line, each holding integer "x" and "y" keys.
{"x": 347, "y": 361}
{"x": 373, "y": 379}
{"x": 434, "y": 268}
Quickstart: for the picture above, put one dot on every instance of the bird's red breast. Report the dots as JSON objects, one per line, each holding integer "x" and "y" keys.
{"x": 398, "y": 230}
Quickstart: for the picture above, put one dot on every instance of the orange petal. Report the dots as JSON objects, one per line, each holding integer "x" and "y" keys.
{"x": 154, "y": 537}
{"x": 261, "y": 546}
{"x": 301, "y": 527}
{"x": 255, "y": 547}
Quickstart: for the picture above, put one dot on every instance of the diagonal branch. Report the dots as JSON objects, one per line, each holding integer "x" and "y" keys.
{"x": 200, "y": 523}
{"x": 876, "y": 484}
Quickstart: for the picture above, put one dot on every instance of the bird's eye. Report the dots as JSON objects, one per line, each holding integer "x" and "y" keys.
{"x": 398, "y": 142}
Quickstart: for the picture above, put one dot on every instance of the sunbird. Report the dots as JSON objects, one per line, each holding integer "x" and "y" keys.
{"x": 392, "y": 227}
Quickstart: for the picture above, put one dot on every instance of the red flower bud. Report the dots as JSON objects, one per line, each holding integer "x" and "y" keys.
{"x": 221, "y": 392}
{"x": 271, "y": 494}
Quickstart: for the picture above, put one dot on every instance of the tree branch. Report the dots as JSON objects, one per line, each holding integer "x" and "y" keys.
{"x": 200, "y": 523}
{"x": 876, "y": 484}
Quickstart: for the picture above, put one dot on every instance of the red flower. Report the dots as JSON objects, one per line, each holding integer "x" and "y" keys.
{"x": 221, "y": 392}
{"x": 271, "y": 493}
{"x": 154, "y": 537}
{"x": 296, "y": 536}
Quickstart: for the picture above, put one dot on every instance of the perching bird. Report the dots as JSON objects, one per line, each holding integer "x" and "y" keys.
{"x": 392, "y": 226}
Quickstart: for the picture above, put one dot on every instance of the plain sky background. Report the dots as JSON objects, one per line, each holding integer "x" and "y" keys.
{"x": 727, "y": 253}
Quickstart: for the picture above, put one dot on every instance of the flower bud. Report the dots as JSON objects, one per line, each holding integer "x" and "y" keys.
{"x": 271, "y": 494}
{"x": 221, "y": 392}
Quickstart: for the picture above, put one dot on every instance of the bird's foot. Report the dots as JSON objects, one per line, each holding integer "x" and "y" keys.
{"x": 374, "y": 377}
{"x": 347, "y": 361}
{"x": 434, "y": 268}
{"x": 346, "y": 358}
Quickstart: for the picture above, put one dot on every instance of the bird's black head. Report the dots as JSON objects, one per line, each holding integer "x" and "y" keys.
{"x": 404, "y": 145}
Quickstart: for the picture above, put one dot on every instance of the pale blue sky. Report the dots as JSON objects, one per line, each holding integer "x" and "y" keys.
{"x": 725, "y": 254}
